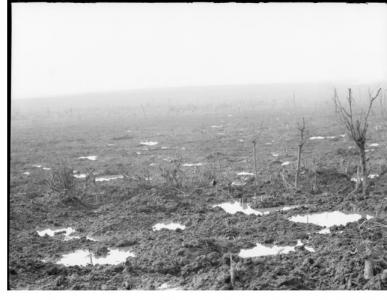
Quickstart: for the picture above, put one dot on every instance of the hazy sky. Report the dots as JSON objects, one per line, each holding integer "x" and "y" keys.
{"x": 73, "y": 48}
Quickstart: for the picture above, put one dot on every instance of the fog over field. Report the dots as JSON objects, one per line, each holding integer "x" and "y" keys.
{"x": 198, "y": 146}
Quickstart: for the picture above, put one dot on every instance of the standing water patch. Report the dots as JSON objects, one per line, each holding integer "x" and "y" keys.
{"x": 262, "y": 250}
{"x": 108, "y": 177}
{"x": 85, "y": 257}
{"x": 50, "y": 232}
{"x": 80, "y": 176}
{"x": 192, "y": 165}
{"x": 235, "y": 207}
{"x": 327, "y": 219}
{"x": 91, "y": 157}
{"x": 374, "y": 145}
{"x": 170, "y": 226}
{"x": 245, "y": 174}
{"x": 148, "y": 143}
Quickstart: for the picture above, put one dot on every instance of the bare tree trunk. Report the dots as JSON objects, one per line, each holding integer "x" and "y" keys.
{"x": 368, "y": 269}
{"x": 368, "y": 263}
{"x": 363, "y": 169}
{"x": 232, "y": 272}
{"x": 358, "y": 179}
{"x": 300, "y": 145}
{"x": 315, "y": 185}
{"x": 298, "y": 166}
{"x": 255, "y": 164}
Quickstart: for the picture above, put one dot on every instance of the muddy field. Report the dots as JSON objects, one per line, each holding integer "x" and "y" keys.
{"x": 114, "y": 239}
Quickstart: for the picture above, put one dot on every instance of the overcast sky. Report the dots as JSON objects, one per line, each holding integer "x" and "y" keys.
{"x": 74, "y": 48}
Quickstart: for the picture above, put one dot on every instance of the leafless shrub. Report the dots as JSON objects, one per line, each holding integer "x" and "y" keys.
{"x": 173, "y": 174}
{"x": 62, "y": 182}
{"x": 356, "y": 126}
{"x": 301, "y": 129}
{"x": 143, "y": 178}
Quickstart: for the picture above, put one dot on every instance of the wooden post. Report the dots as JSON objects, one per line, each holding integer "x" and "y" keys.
{"x": 255, "y": 163}
{"x": 300, "y": 145}
{"x": 232, "y": 272}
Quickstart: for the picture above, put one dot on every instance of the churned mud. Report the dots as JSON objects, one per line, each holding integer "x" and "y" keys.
{"x": 137, "y": 233}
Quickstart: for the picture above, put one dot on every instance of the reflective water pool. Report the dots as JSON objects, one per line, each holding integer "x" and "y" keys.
{"x": 108, "y": 177}
{"x": 84, "y": 257}
{"x": 170, "y": 226}
{"x": 192, "y": 164}
{"x": 235, "y": 207}
{"x": 149, "y": 143}
{"x": 91, "y": 157}
{"x": 51, "y": 232}
{"x": 262, "y": 250}
{"x": 327, "y": 219}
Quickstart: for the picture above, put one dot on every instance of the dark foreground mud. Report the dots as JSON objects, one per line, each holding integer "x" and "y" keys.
{"x": 199, "y": 256}
{"x": 121, "y": 213}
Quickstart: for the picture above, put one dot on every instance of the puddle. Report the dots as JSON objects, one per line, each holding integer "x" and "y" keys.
{"x": 149, "y": 143}
{"x": 310, "y": 249}
{"x": 286, "y": 208}
{"x": 317, "y": 138}
{"x": 84, "y": 257}
{"x": 110, "y": 145}
{"x": 331, "y": 137}
{"x": 262, "y": 250}
{"x": 238, "y": 183}
{"x": 88, "y": 237}
{"x": 244, "y": 178}
{"x": 164, "y": 148}
{"x": 235, "y": 207}
{"x": 370, "y": 176}
{"x": 373, "y": 145}
{"x": 324, "y": 231}
{"x": 192, "y": 165}
{"x": 327, "y": 219}
{"x": 168, "y": 287}
{"x": 80, "y": 176}
{"x": 170, "y": 226}
{"x": 66, "y": 231}
{"x": 27, "y": 173}
{"x": 108, "y": 177}
{"x": 275, "y": 154}
{"x": 40, "y": 166}
{"x": 91, "y": 157}
{"x": 245, "y": 174}
{"x": 373, "y": 176}
{"x": 49, "y": 232}
{"x": 241, "y": 140}
{"x": 216, "y": 126}
{"x": 285, "y": 163}
{"x": 342, "y": 135}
